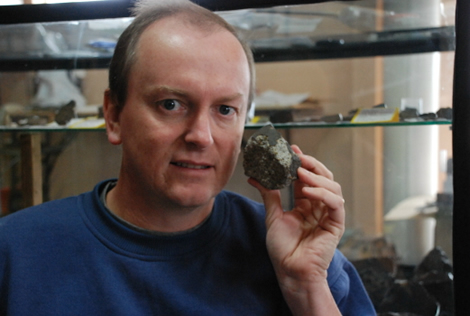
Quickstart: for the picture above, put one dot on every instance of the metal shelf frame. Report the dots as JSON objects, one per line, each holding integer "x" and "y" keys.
{"x": 115, "y": 9}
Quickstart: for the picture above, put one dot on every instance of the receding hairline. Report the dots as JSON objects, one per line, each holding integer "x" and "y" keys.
{"x": 142, "y": 6}
{"x": 190, "y": 19}
{"x": 195, "y": 14}
{"x": 148, "y": 12}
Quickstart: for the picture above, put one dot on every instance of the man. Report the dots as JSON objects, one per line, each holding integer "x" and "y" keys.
{"x": 164, "y": 239}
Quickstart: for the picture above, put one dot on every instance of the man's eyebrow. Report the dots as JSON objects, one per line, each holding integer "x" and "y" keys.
{"x": 229, "y": 98}
{"x": 183, "y": 93}
{"x": 167, "y": 89}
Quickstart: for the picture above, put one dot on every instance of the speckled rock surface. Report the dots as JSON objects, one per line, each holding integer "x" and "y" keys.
{"x": 269, "y": 159}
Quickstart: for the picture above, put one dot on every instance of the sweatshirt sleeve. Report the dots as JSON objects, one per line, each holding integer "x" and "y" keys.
{"x": 347, "y": 288}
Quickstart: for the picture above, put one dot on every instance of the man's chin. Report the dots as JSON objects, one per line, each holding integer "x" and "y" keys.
{"x": 194, "y": 200}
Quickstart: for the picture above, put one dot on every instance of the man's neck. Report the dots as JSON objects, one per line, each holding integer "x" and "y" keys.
{"x": 151, "y": 217}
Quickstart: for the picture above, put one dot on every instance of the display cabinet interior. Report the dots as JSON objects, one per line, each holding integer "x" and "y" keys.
{"x": 340, "y": 61}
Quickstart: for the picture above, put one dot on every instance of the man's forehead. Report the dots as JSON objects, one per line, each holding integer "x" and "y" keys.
{"x": 169, "y": 34}
{"x": 180, "y": 23}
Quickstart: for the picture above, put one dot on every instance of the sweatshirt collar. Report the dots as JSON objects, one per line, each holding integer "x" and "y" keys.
{"x": 122, "y": 238}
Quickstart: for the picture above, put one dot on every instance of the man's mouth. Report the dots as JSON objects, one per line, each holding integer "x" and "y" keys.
{"x": 190, "y": 166}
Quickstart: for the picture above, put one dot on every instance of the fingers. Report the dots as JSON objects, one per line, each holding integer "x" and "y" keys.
{"x": 311, "y": 179}
{"x": 316, "y": 183}
{"x": 271, "y": 200}
{"x": 333, "y": 202}
{"x": 321, "y": 189}
{"x": 312, "y": 164}
{"x": 313, "y": 173}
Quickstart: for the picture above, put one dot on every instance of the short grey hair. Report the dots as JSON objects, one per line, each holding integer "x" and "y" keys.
{"x": 147, "y": 12}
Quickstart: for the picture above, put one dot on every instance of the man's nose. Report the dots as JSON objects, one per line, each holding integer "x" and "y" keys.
{"x": 199, "y": 131}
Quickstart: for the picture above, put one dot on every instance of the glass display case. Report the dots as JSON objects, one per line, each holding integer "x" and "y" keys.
{"x": 364, "y": 86}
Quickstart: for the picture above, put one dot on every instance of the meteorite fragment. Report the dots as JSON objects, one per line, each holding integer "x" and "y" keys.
{"x": 269, "y": 159}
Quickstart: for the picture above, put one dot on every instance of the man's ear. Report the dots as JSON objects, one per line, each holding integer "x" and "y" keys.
{"x": 112, "y": 115}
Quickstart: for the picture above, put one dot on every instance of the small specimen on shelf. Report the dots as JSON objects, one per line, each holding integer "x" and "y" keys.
{"x": 65, "y": 113}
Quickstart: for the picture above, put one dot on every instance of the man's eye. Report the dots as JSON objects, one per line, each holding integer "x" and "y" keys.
{"x": 226, "y": 110}
{"x": 170, "y": 104}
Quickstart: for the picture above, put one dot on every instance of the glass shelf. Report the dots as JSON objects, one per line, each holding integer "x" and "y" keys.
{"x": 300, "y": 32}
{"x": 35, "y": 129}
{"x": 288, "y": 49}
{"x": 348, "y": 124}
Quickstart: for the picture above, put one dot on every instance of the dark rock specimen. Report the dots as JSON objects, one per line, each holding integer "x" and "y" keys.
{"x": 332, "y": 118}
{"x": 428, "y": 116}
{"x": 409, "y": 113}
{"x": 377, "y": 274}
{"x": 423, "y": 290}
{"x": 281, "y": 116}
{"x": 435, "y": 263}
{"x": 435, "y": 274}
{"x": 269, "y": 159}
{"x": 408, "y": 297}
{"x": 445, "y": 113}
{"x": 65, "y": 113}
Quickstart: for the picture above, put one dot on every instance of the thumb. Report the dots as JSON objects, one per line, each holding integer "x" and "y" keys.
{"x": 271, "y": 200}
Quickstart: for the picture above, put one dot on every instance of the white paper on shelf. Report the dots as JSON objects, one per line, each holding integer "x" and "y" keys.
{"x": 271, "y": 98}
{"x": 412, "y": 207}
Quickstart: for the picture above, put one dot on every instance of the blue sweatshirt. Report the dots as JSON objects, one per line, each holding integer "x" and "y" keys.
{"x": 72, "y": 257}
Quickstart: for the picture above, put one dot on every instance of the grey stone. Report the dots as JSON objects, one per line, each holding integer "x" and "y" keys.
{"x": 409, "y": 113}
{"x": 445, "y": 113}
{"x": 428, "y": 116}
{"x": 269, "y": 159}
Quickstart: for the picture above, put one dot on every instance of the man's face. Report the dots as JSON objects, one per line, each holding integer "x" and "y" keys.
{"x": 183, "y": 120}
